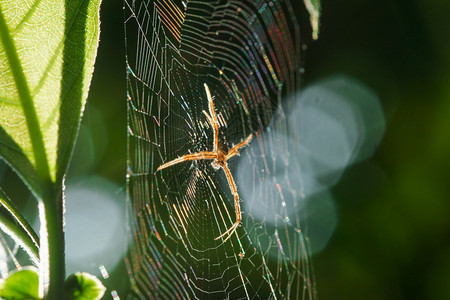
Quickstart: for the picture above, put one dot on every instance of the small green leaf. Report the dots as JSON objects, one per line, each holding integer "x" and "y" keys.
{"x": 23, "y": 284}
{"x": 83, "y": 286}
{"x": 47, "y": 55}
{"x": 313, "y": 7}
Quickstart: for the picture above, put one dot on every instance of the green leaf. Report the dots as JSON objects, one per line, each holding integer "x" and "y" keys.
{"x": 313, "y": 7}
{"x": 47, "y": 54}
{"x": 83, "y": 286}
{"x": 20, "y": 230}
{"x": 23, "y": 284}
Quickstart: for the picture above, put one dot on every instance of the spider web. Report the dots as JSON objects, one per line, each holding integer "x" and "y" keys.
{"x": 249, "y": 54}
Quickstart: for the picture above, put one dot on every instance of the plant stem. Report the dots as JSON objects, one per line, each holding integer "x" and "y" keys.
{"x": 55, "y": 264}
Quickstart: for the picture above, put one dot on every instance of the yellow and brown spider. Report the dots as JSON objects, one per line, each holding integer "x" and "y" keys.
{"x": 219, "y": 156}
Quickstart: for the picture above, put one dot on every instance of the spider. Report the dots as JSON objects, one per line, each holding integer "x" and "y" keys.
{"x": 219, "y": 156}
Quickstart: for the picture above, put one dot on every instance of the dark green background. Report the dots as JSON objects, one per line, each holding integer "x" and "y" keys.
{"x": 392, "y": 238}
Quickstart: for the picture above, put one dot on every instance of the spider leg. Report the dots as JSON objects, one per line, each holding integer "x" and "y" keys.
{"x": 194, "y": 156}
{"x": 209, "y": 118}
{"x": 237, "y": 206}
{"x": 212, "y": 118}
{"x": 228, "y": 233}
{"x": 235, "y": 149}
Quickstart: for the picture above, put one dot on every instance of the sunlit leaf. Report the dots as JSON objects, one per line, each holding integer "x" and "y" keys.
{"x": 83, "y": 286}
{"x": 23, "y": 284}
{"x": 47, "y": 53}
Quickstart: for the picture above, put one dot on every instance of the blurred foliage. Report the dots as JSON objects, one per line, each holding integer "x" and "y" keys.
{"x": 391, "y": 240}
